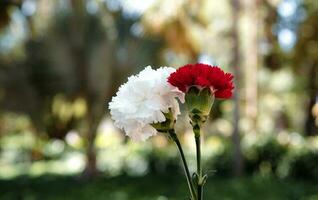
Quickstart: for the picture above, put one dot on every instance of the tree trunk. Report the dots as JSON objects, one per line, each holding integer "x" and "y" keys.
{"x": 251, "y": 61}
{"x": 237, "y": 157}
{"x": 310, "y": 124}
{"x": 90, "y": 170}
{"x": 80, "y": 55}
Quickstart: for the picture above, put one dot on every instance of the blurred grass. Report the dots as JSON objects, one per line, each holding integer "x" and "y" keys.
{"x": 152, "y": 187}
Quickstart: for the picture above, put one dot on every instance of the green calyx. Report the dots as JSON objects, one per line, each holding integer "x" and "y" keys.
{"x": 167, "y": 125}
{"x": 199, "y": 104}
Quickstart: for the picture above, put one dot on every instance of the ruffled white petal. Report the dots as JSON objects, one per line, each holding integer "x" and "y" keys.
{"x": 143, "y": 100}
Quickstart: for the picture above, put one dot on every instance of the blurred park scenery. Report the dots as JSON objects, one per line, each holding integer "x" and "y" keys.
{"x": 61, "y": 61}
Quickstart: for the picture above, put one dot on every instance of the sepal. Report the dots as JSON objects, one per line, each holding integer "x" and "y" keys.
{"x": 167, "y": 125}
{"x": 199, "y": 103}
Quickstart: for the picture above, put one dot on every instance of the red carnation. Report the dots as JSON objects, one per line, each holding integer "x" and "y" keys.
{"x": 203, "y": 75}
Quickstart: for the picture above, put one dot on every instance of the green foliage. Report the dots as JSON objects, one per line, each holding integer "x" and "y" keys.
{"x": 264, "y": 155}
{"x": 152, "y": 187}
{"x": 303, "y": 165}
{"x": 221, "y": 164}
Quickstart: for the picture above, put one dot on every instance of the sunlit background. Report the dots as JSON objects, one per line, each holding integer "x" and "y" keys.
{"x": 61, "y": 61}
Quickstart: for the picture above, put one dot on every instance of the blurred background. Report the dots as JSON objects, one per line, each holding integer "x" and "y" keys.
{"x": 61, "y": 61}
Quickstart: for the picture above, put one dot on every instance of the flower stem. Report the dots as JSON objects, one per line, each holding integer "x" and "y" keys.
{"x": 184, "y": 162}
{"x": 196, "y": 130}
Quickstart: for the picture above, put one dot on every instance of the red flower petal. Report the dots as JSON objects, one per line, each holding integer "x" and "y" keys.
{"x": 223, "y": 94}
{"x": 203, "y": 75}
{"x": 201, "y": 81}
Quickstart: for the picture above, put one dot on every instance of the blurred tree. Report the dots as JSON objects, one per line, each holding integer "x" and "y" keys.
{"x": 250, "y": 55}
{"x": 74, "y": 56}
{"x": 301, "y": 58}
{"x": 73, "y": 63}
{"x": 272, "y": 55}
{"x": 305, "y": 61}
{"x": 236, "y": 62}
{"x": 5, "y": 5}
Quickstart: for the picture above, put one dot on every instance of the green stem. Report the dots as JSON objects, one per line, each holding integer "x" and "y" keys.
{"x": 196, "y": 131}
{"x": 184, "y": 162}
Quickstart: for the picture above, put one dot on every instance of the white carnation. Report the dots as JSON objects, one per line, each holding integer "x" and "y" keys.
{"x": 143, "y": 100}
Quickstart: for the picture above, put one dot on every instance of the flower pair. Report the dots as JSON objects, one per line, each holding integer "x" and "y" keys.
{"x": 147, "y": 103}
